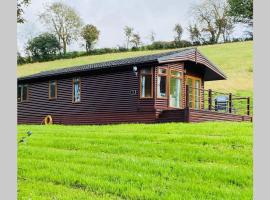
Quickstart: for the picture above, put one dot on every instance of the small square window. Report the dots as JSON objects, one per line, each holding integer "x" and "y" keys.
{"x": 76, "y": 90}
{"x": 22, "y": 93}
{"x": 53, "y": 89}
{"x": 162, "y": 71}
{"x": 19, "y": 93}
{"x": 146, "y": 83}
{"x": 176, "y": 73}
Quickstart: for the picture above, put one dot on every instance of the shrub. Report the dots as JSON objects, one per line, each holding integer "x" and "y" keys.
{"x": 43, "y": 47}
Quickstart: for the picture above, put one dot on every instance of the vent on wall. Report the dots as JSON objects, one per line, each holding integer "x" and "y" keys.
{"x": 133, "y": 92}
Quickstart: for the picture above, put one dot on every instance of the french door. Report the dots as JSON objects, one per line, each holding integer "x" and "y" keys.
{"x": 194, "y": 86}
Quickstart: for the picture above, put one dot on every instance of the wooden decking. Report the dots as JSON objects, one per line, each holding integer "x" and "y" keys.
{"x": 192, "y": 115}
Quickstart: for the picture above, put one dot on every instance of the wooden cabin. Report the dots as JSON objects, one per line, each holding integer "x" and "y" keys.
{"x": 163, "y": 87}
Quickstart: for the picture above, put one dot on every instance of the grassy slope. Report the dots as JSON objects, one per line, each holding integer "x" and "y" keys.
{"x": 135, "y": 161}
{"x": 235, "y": 59}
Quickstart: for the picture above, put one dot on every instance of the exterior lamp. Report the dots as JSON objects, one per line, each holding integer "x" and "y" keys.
{"x": 135, "y": 70}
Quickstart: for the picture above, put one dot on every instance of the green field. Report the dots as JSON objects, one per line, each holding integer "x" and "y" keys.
{"x": 136, "y": 161}
{"x": 235, "y": 59}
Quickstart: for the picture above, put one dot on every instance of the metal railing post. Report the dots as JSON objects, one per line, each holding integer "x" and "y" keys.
{"x": 209, "y": 99}
{"x": 230, "y": 103}
{"x": 248, "y": 105}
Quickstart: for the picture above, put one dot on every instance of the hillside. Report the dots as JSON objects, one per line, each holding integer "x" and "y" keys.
{"x": 235, "y": 59}
{"x": 136, "y": 161}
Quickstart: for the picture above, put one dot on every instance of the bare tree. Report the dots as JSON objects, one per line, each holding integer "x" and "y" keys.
{"x": 227, "y": 29}
{"x": 21, "y": 4}
{"x": 213, "y": 18}
{"x": 63, "y": 21}
{"x": 179, "y": 31}
{"x": 152, "y": 36}
{"x": 128, "y": 33}
{"x": 195, "y": 35}
{"x": 136, "y": 40}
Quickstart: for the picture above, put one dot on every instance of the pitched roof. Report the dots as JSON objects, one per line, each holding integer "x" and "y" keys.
{"x": 182, "y": 54}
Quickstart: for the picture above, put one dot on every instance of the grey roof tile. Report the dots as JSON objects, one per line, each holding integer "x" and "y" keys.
{"x": 110, "y": 64}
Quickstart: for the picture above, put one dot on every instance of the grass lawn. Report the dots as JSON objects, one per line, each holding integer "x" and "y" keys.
{"x": 136, "y": 161}
{"x": 235, "y": 59}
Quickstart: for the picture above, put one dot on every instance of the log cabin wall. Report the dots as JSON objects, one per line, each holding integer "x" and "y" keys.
{"x": 105, "y": 98}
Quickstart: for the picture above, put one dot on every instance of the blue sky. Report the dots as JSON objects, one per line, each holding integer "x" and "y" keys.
{"x": 111, "y": 16}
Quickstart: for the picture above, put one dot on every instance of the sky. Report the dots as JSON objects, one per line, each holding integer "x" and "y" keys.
{"x": 111, "y": 16}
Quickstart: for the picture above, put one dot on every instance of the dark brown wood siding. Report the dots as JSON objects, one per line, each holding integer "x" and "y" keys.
{"x": 105, "y": 98}
{"x": 192, "y": 115}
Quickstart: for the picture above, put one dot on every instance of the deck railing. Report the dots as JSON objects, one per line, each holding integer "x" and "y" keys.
{"x": 211, "y": 100}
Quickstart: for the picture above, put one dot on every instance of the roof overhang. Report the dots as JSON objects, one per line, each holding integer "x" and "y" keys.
{"x": 211, "y": 71}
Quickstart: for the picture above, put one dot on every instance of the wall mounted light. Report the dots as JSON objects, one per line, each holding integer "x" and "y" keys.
{"x": 135, "y": 70}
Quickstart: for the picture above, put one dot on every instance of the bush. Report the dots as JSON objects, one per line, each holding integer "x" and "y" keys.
{"x": 20, "y": 60}
{"x": 43, "y": 47}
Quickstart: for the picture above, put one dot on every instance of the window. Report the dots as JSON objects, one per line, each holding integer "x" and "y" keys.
{"x": 197, "y": 93}
{"x": 194, "y": 85}
{"x": 22, "y": 94}
{"x": 175, "y": 89}
{"x": 53, "y": 89}
{"x": 162, "y": 83}
{"x": 76, "y": 94}
{"x": 146, "y": 83}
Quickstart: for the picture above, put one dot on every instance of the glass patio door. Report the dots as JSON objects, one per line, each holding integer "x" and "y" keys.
{"x": 175, "y": 98}
{"x": 194, "y": 85}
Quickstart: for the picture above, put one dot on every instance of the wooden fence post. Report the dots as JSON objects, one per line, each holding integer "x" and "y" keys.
{"x": 187, "y": 96}
{"x": 230, "y": 103}
{"x": 248, "y": 105}
{"x": 209, "y": 99}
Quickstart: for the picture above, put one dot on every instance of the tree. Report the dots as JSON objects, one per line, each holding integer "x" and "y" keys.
{"x": 227, "y": 29}
{"x": 20, "y": 59}
{"x": 152, "y": 36}
{"x": 43, "y": 47}
{"x": 20, "y": 5}
{"x": 63, "y": 21}
{"x": 195, "y": 35}
{"x": 212, "y": 15}
{"x": 136, "y": 40}
{"x": 241, "y": 11}
{"x": 179, "y": 31}
{"x": 128, "y": 33}
{"x": 90, "y": 34}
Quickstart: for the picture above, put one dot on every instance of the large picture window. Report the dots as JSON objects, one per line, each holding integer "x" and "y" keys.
{"x": 176, "y": 89}
{"x": 52, "y": 89}
{"x": 146, "y": 87}
{"x": 162, "y": 83}
{"x": 22, "y": 93}
{"x": 76, "y": 94}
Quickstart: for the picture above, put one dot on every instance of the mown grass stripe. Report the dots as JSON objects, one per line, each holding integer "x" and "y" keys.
{"x": 138, "y": 161}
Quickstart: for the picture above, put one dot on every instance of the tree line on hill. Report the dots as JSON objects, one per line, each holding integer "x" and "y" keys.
{"x": 213, "y": 22}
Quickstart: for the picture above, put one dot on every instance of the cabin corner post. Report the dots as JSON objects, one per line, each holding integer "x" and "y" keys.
{"x": 187, "y": 110}
{"x": 230, "y": 102}
{"x": 187, "y": 96}
{"x": 248, "y": 105}
{"x": 209, "y": 99}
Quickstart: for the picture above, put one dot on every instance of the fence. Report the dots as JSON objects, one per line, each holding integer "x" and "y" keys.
{"x": 217, "y": 101}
